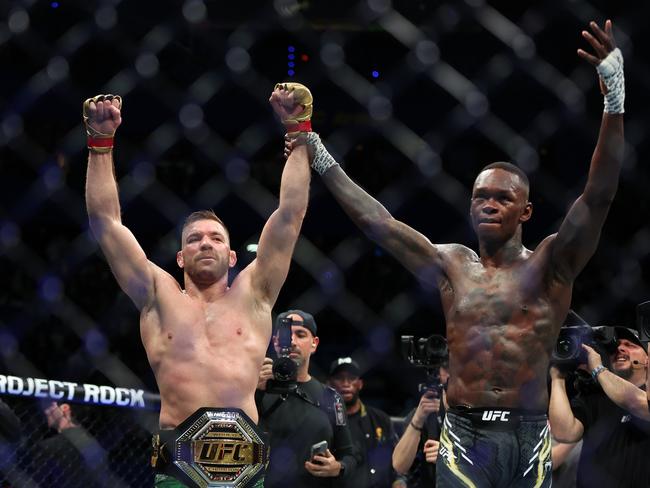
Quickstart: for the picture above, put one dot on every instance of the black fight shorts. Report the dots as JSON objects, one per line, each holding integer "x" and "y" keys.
{"x": 490, "y": 447}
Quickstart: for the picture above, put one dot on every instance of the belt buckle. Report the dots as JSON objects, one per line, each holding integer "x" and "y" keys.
{"x": 218, "y": 447}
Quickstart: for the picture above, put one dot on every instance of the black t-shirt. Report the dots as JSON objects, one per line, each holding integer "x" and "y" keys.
{"x": 374, "y": 440}
{"x": 313, "y": 414}
{"x": 616, "y": 445}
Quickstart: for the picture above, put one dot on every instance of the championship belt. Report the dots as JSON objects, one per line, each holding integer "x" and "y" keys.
{"x": 213, "y": 447}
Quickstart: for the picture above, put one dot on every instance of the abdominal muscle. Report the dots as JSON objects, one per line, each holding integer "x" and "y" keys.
{"x": 498, "y": 366}
{"x": 184, "y": 389}
{"x": 195, "y": 372}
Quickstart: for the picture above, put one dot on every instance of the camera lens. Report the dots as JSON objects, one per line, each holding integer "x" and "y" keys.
{"x": 565, "y": 348}
{"x": 436, "y": 348}
{"x": 284, "y": 369}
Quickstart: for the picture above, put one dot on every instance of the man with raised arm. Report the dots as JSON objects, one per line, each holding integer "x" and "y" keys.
{"x": 504, "y": 306}
{"x": 611, "y": 421}
{"x": 205, "y": 340}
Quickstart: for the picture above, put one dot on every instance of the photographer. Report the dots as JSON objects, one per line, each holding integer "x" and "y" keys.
{"x": 420, "y": 439}
{"x": 416, "y": 453}
{"x": 615, "y": 440}
{"x": 301, "y": 413}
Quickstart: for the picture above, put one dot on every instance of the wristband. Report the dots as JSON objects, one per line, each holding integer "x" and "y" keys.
{"x": 610, "y": 71}
{"x": 100, "y": 144}
{"x": 304, "y": 126}
{"x": 419, "y": 429}
{"x": 597, "y": 370}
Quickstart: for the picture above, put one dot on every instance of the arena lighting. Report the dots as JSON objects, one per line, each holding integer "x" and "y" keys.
{"x": 290, "y": 63}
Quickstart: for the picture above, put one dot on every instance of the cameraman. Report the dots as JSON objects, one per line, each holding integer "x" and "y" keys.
{"x": 303, "y": 416}
{"x": 615, "y": 441}
{"x": 416, "y": 453}
{"x": 628, "y": 395}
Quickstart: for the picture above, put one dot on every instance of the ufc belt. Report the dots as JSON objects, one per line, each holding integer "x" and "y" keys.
{"x": 213, "y": 447}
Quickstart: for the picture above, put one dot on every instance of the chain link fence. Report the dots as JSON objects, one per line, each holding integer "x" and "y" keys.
{"x": 69, "y": 444}
{"x": 412, "y": 96}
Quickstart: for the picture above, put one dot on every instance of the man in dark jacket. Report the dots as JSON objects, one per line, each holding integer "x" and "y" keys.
{"x": 372, "y": 431}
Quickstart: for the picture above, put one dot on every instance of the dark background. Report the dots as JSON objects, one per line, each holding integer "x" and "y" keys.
{"x": 458, "y": 85}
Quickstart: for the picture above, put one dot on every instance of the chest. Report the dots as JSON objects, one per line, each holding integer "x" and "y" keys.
{"x": 503, "y": 295}
{"x": 475, "y": 285}
{"x": 186, "y": 325}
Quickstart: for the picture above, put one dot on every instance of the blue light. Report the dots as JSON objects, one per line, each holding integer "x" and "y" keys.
{"x": 375, "y": 74}
{"x": 291, "y": 49}
{"x": 291, "y": 64}
{"x": 54, "y": 4}
{"x": 291, "y": 72}
{"x": 291, "y": 56}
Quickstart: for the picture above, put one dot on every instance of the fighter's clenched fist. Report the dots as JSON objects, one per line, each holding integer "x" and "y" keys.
{"x": 102, "y": 116}
{"x": 293, "y": 103}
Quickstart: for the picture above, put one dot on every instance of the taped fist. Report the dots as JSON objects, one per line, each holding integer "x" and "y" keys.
{"x": 102, "y": 117}
{"x": 293, "y": 103}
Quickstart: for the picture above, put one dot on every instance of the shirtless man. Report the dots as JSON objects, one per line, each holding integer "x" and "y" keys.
{"x": 205, "y": 341}
{"x": 503, "y": 307}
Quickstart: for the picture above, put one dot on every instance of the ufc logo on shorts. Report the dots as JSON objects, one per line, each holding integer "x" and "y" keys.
{"x": 494, "y": 415}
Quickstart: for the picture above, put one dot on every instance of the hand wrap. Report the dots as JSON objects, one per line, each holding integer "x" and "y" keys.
{"x": 610, "y": 71}
{"x": 322, "y": 160}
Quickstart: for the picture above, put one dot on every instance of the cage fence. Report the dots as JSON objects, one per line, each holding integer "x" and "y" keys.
{"x": 104, "y": 440}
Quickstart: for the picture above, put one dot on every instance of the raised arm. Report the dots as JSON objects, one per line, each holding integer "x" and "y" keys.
{"x": 407, "y": 447}
{"x": 134, "y": 273}
{"x": 408, "y": 246}
{"x": 564, "y": 426}
{"x": 622, "y": 392}
{"x": 579, "y": 233}
{"x": 280, "y": 233}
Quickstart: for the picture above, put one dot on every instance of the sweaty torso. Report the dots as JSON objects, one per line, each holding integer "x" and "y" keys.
{"x": 502, "y": 324}
{"x": 205, "y": 354}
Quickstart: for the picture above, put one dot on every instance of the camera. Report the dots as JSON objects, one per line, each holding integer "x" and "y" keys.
{"x": 285, "y": 369}
{"x": 429, "y": 353}
{"x": 568, "y": 353}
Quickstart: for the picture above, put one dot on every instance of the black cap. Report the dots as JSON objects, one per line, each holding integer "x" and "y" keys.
{"x": 308, "y": 321}
{"x": 345, "y": 364}
{"x": 629, "y": 334}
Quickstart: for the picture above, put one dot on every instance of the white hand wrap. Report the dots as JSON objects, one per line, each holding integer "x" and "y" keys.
{"x": 610, "y": 71}
{"x": 322, "y": 160}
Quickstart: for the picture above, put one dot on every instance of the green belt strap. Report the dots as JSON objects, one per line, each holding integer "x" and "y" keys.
{"x": 164, "y": 481}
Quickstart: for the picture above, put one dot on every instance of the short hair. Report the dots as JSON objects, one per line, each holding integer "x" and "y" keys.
{"x": 207, "y": 214}
{"x": 510, "y": 168}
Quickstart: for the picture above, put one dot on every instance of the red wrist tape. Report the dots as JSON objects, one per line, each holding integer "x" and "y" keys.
{"x": 103, "y": 142}
{"x": 304, "y": 126}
